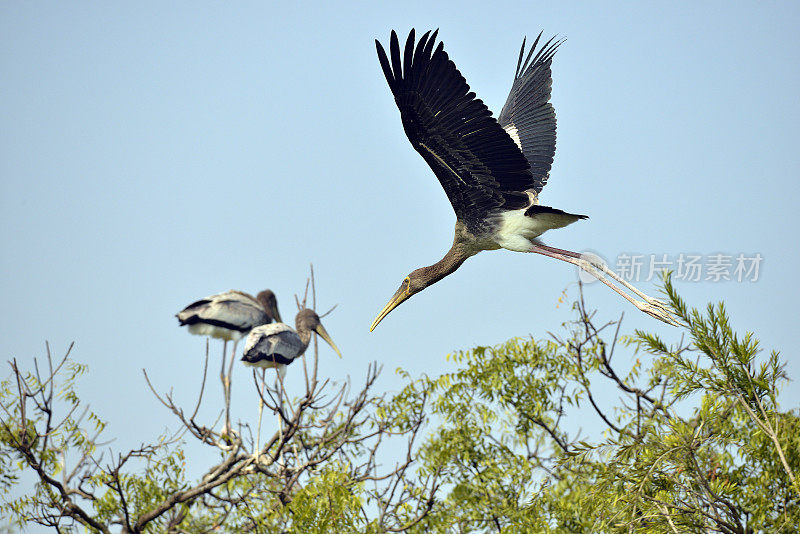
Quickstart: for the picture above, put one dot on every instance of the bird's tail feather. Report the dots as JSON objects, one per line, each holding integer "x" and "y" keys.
{"x": 552, "y": 217}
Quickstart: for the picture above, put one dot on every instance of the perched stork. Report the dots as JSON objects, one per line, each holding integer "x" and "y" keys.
{"x": 229, "y": 316}
{"x": 278, "y": 345}
{"x": 492, "y": 170}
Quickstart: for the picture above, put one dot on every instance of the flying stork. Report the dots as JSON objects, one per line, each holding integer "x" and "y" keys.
{"x": 492, "y": 170}
{"x": 277, "y": 345}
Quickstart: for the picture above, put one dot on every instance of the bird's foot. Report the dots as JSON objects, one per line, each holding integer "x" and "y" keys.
{"x": 658, "y": 309}
{"x": 228, "y": 435}
{"x": 658, "y": 303}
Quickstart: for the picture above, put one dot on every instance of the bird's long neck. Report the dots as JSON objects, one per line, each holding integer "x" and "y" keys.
{"x": 304, "y": 333}
{"x": 457, "y": 255}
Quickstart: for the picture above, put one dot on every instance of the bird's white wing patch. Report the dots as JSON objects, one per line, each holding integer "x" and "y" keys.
{"x": 514, "y": 133}
{"x": 262, "y": 332}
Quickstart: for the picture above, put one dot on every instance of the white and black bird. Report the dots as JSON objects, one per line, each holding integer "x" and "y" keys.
{"x": 492, "y": 170}
{"x": 277, "y": 345}
{"x": 229, "y": 315}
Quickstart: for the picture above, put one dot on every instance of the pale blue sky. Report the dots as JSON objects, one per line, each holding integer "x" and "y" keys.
{"x": 152, "y": 154}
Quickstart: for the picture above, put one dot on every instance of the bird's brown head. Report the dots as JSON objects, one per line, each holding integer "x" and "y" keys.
{"x": 412, "y": 284}
{"x": 425, "y": 276}
{"x": 308, "y": 320}
{"x": 267, "y": 299}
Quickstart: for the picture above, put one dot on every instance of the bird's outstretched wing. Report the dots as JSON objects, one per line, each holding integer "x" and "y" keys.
{"x": 476, "y": 161}
{"x": 527, "y": 115}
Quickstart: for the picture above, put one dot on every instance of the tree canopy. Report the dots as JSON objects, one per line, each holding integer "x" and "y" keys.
{"x": 692, "y": 439}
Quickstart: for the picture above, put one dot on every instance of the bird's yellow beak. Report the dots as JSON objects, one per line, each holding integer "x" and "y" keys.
{"x": 401, "y": 295}
{"x": 324, "y": 335}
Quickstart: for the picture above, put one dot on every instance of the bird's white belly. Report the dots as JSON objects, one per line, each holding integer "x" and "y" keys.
{"x": 219, "y": 332}
{"x": 518, "y": 230}
{"x": 263, "y": 364}
{"x": 266, "y": 364}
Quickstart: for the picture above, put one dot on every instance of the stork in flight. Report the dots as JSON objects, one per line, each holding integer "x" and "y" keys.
{"x": 492, "y": 170}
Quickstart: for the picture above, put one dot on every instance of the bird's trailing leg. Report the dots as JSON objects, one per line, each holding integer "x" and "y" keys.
{"x": 651, "y": 306}
{"x": 602, "y": 267}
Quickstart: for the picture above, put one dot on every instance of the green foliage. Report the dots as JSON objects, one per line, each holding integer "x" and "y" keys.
{"x": 309, "y": 476}
{"x": 696, "y": 441}
{"x": 162, "y": 473}
{"x": 331, "y": 502}
{"x": 692, "y": 439}
{"x": 46, "y": 437}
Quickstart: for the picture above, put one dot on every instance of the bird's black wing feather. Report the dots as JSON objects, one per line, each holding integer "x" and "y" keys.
{"x": 528, "y": 115}
{"x": 476, "y": 161}
{"x": 188, "y": 315}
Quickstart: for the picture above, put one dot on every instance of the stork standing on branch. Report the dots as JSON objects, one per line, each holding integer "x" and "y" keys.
{"x": 492, "y": 170}
{"x": 278, "y": 345}
{"x": 229, "y": 316}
